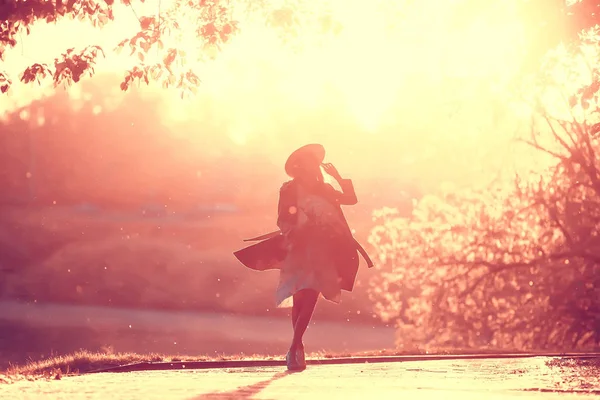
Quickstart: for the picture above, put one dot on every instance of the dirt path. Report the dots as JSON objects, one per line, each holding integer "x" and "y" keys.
{"x": 459, "y": 379}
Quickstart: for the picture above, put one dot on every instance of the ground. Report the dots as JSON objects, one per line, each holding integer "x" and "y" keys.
{"x": 30, "y": 331}
{"x": 519, "y": 378}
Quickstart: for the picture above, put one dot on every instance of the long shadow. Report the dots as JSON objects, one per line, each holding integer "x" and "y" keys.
{"x": 244, "y": 392}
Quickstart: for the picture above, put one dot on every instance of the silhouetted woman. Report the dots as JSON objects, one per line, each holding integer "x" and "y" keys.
{"x": 314, "y": 249}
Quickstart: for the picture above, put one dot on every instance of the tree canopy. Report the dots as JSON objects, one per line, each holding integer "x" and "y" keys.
{"x": 213, "y": 25}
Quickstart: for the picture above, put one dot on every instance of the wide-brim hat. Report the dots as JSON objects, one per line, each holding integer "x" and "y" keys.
{"x": 306, "y": 154}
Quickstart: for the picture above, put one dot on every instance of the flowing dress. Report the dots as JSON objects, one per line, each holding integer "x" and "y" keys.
{"x": 314, "y": 247}
{"x": 316, "y": 238}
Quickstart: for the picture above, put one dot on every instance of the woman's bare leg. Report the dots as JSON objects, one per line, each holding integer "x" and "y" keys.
{"x": 305, "y": 302}
{"x": 295, "y": 311}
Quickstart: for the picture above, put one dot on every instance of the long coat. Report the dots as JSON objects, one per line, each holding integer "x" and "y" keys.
{"x": 272, "y": 249}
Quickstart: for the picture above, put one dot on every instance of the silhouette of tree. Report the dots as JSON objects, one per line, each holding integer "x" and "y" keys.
{"x": 581, "y": 15}
{"x": 552, "y": 21}
{"x": 514, "y": 266}
{"x": 214, "y": 27}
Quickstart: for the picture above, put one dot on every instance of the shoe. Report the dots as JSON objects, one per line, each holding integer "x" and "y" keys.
{"x": 293, "y": 364}
{"x": 300, "y": 357}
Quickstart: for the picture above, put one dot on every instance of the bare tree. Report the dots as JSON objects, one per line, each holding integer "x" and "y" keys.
{"x": 512, "y": 267}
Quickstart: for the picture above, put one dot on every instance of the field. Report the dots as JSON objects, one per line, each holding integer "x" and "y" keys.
{"x": 144, "y": 282}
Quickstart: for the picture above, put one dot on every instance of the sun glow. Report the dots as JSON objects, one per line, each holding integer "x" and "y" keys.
{"x": 416, "y": 77}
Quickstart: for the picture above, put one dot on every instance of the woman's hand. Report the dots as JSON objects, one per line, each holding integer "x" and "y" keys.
{"x": 331, "y": 170}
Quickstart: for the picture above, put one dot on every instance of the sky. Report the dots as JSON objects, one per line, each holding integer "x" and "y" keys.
{"x": 421, "y": 91}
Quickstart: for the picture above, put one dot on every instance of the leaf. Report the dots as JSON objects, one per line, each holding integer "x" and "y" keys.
{"x": 157, "y": 73}
{"x": 595, "y": 129}
{"x": 572, "y": 101}
{"x": 169, "y": 58}
{"x": 118, "y": 50}
{"x": 585, "y": 104}
{"x": 145, "y": 46}
{"x": 145, "y": 22}
{"x": 103, "y": 19}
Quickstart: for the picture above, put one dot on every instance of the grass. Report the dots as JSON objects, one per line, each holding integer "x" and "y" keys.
{"x": 85, "y": 361}
{"x": 80, "y": 362}
{"x": 582, "y": 374}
